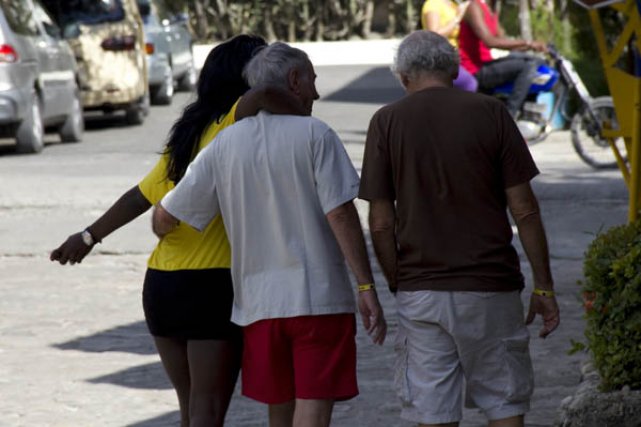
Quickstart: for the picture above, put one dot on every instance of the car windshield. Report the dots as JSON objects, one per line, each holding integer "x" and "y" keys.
{"x": 88, "y": 12}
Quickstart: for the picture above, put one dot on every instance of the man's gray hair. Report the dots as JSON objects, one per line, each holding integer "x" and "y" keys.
{"x": 271, "y": 64}
{"x": 425, "y": 52}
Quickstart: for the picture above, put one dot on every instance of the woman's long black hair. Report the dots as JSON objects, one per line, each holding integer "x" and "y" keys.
{"x": 219, "y": 86}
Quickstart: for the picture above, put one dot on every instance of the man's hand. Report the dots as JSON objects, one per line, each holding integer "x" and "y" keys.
{"x": 548, "y": 309}
{"x": 162, "y": 222}
{"x": 372, "y": 315}
{"x": 538, "y": 46}
{"x": 275, "y": 100}
{"x": 73, "y": 250}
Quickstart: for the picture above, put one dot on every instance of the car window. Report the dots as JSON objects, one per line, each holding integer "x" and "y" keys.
{"x": 20, "y": 17}
{"x": 49, "y": 26}
{"x": 148, "y": 16}
{"x": 88, "y": 12}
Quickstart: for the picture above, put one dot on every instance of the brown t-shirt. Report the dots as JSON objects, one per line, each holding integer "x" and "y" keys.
{"x": 446, "y": 157}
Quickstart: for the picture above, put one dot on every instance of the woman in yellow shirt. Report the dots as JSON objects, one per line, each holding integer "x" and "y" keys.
{"x": 187, "y": 293}
{"x": 444, "y": 17}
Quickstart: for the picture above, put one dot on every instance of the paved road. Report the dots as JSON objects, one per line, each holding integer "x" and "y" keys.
{"x": 74, "y": 350}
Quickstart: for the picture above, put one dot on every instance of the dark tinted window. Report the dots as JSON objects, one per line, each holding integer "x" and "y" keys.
{"x": 85, "y": 11}
{"x": 49, "y": 26}
{"x": 144, "y": 7}
{"x": 20, "y": 17}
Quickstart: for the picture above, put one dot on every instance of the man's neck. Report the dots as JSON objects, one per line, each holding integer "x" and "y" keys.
{"x": 427, "y": 82}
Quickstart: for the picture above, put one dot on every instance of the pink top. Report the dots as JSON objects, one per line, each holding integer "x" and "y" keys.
{"x": 474, "y": 53}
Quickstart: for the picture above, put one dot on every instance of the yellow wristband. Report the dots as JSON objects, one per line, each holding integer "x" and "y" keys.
{"x": 365, "y": 287}
{"x": 543, "y": 292}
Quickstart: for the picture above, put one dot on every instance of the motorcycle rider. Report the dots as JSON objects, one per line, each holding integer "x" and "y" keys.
{"x": 480, "y": 31}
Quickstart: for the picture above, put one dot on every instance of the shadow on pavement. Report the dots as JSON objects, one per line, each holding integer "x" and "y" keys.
{"x": 149, "y": 377}
{"x": 131, "y": 338}
{"x": 377, "y": 86}
{"x": 99, "y": 121}
{"x": 170, "y": 419}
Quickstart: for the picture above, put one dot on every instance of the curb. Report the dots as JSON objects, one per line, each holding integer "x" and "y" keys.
{"x": 350, "y": 52}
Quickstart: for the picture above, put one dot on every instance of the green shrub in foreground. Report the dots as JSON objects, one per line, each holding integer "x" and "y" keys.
{"x": 612, "y": 295}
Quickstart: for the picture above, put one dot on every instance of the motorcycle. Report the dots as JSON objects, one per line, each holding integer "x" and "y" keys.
{"x": 535, "y": 120}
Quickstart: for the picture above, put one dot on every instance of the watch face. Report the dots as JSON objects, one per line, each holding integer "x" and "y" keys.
{"x": 86, "y": 238}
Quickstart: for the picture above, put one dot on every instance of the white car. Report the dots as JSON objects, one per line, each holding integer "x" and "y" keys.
{"x": 170, "y": 60}
{"x": 38, "y": 78}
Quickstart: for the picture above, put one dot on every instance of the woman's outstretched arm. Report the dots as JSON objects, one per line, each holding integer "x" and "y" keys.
{"x": 128, "y": 207}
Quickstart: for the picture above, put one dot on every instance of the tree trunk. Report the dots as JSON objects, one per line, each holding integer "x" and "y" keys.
{"x": 308, "y": 21}
{"x": 201, "y": 20}
{"x": 391, "y": 20}
{"x": 410, "y": 19}
{"x": 367, "y": 19}
{"x": 270, "y": 34}
{"x": 566, "y": 28}
{"x": 498, "y": 5}
{"x": 524, "y": 20}
{"x": 290, "y": 13}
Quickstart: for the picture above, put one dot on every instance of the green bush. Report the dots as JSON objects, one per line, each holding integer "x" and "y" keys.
{"x": 612, "y": 295}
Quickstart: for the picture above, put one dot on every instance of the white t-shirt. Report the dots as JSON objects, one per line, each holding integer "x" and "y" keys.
{"x": 273, "y": 178}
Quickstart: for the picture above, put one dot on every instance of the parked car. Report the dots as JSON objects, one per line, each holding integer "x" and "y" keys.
{"x": 107, "y": 38}
{"x": 170, "y": 59}
{"x": 37, "y": 78}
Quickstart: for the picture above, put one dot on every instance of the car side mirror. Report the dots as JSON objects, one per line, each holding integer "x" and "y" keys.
{"x": 52, "y": 31}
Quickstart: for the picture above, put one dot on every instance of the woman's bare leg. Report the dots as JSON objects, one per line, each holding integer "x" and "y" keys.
{"x": 173, "y": 354}
{"x": 214, "y": 367}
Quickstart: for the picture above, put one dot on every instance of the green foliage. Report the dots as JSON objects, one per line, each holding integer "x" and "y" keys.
{"x": 612, "y": 293}
{"x": 549, "y": 27}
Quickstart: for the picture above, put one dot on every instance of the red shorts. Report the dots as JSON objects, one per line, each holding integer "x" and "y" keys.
{"x": 306, "y": 357}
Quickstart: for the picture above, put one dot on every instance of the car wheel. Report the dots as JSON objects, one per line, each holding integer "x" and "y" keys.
{"x": 134, "y": 115}
{"x": 188, "y": 81}
{"x": 30, "y": 134}
{"x": 162, "y": 95}
{"x": 74, "y": 125}
{"x": 136, "y": 112}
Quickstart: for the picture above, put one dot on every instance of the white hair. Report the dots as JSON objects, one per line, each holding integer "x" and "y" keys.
{"x": 425, "y": 52}
{"x": 271, "y": 64}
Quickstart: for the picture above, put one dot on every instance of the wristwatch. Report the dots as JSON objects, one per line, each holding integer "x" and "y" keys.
{"x": 87, "y": 237}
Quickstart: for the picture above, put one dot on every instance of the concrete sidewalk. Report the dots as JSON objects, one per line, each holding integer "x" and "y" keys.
{"x": 74, "y": 349}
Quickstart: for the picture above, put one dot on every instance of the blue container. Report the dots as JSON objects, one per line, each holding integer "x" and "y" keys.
{"x": 548, "y": 98}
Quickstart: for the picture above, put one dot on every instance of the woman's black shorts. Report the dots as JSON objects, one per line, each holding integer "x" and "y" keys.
{"x": 190, "y": 304}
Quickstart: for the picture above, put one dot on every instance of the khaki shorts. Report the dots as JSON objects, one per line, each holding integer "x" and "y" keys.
{"x": 448, "y": 342}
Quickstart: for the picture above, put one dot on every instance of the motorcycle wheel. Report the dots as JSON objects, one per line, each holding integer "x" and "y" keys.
{"x": 588, "y": 144}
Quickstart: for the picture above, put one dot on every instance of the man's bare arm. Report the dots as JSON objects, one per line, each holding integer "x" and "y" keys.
{"x": 382, "y": 226}
{"x": 474, "y": 18}
{"x": 162, "y": 222}
{"x": 272, "y": 99}
{"x": 525, "y": 210}
{"x": 346, "y": 227}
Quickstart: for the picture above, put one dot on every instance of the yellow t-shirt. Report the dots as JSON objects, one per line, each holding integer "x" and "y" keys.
{"x": 185, "y": 248}
{"x": 447, "y": 11}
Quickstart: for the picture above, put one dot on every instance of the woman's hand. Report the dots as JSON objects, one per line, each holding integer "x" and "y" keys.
{"x": 73, "y": 250}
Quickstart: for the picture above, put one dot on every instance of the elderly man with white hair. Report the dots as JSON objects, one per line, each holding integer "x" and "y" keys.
{"x": 441, "y": 168}
{"x": 284, "y": 186}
